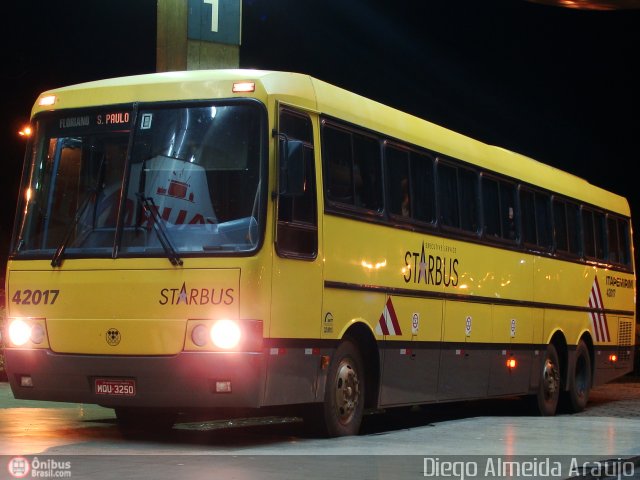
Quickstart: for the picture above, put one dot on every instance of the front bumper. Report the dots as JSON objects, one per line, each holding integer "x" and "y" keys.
{"x": 186, "y": 380}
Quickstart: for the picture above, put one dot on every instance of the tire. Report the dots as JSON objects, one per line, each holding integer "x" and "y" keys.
{"x": 145, "y": 419}
{"x": 341, "y": 412}
{"x": 549, "y": 387}
{"x": 579, "y": 380}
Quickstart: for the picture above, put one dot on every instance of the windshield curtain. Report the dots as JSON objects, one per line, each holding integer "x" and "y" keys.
{"x": 197, "y": 169}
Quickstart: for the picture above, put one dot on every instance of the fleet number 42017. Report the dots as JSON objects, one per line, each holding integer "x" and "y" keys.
{"x": 35, "y": 297}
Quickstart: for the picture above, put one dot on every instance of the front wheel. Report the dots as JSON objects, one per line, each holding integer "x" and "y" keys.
{"x": 579, "y": 380}
{"x": 549, "y": 387}
{"x": 343, "y": 404}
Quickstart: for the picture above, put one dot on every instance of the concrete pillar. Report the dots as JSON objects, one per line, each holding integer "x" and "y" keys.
{"x": 198, "y": 34}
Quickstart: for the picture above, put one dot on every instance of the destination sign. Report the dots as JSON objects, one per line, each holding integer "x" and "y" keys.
{"x": 78, "y": 122}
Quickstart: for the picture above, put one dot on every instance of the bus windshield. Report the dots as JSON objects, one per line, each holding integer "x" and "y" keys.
{"x": 196, "y": 169}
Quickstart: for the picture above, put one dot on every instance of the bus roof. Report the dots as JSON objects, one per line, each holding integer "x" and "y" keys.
{"x": 313, "y": 94}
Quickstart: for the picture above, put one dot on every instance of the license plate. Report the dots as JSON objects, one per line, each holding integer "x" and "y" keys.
{"x": 118, "y": 387}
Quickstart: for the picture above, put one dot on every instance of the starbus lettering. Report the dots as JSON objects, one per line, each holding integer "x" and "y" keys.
{"x": 430, "y": 269}
{"x": 196, "y": 296}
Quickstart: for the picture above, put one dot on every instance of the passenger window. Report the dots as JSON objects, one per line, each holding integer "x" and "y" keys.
{"x": 508, "y": 211}
{"x": 612, "y": 240}
{"x": 498, "y": 204}
{"x": 353, "y": 168}
{"x": 336, "y": 148}
{"x": 528, "y": 217}
{"x": 468, "y": 200}
{"x": 573, "y": 228}
{"x": 587, "y": 234}
{"x": 367, "y": 172}
{"x": 624, "y": 235}
{"x": 423, "y": 189}
{"x": 543, "y": 220}
{"x": 560, "y": 226}
{"x": 491, "y": 207}
{"x": 397, "y": 171}
{"x": 600, "y": 239}
{"x": 448, "y": 196}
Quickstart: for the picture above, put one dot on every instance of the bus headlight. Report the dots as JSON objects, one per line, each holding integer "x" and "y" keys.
{"x": 19, "y": 332}
{"x": 225, "y": 334}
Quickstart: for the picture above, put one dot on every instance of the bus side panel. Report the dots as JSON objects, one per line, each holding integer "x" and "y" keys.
{"x": 293, "y": 372}
{"x": 513, "y": 334}
{"x": 466, "y": 354}
{"x": 410, "y": 368}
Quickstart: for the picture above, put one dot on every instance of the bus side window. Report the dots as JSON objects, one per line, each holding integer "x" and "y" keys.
{"x": 397, "y": 172}
{"x": 297, "y": 231}
{"x": 491, "y": 208}
{"x": 588, "y": 239}
{"x": 367, "y": 169}
{"x": 336, "y": 148}
{"x": 499, "y": 213}
{"x": 508, "y": 210}
{"x": 353, "y": 167}
{"x": 573, "y": 227}
{"x": 600, "y": 235}
{"x": 543, "y": 220}
{"x": 528, "y": 217}
{"x": 560, "y": 226}
{"x": 468, "y": 199}
{"x": 612, "y": 240}
{"x": 624, "y": 235}
{"x": 423, "y": 190}
{"x": 448, "y": 196}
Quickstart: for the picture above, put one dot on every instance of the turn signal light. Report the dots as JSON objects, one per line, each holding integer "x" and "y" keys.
{"x": 511, "y": 363}
{"x": 613, "y": 358}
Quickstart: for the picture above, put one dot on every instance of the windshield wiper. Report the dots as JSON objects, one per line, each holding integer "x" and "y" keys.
{"x": 56, "y": 261}
{"x": 160, "y": 229}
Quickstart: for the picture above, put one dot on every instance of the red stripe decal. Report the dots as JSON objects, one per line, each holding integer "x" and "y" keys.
{"x": 394, "y": 318}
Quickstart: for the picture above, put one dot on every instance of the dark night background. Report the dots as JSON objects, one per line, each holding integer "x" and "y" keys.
{"x": 557, "y": 84}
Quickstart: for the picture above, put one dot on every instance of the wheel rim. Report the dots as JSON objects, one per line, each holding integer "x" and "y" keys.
{"x": 347, "y": 391}
{"x": 550, "y": 379}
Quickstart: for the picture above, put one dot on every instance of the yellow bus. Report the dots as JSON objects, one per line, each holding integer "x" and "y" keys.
{"x": 236, "y": 240}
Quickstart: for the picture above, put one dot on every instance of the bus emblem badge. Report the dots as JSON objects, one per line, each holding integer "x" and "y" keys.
{"x": 113, "y": 337}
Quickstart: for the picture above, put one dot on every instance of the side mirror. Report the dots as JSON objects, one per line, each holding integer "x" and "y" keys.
{"x": 292, "y": 169}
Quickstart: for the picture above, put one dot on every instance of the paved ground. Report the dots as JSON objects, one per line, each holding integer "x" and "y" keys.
{"x": 620, "y": 399}
{"x": 392, "y": 446}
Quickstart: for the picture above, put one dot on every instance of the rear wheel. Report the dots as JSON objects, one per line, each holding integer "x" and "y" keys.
{"x": 341, "y": 412}
{"x": 549, "y": 387}
{"x": 579, "y": 380}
